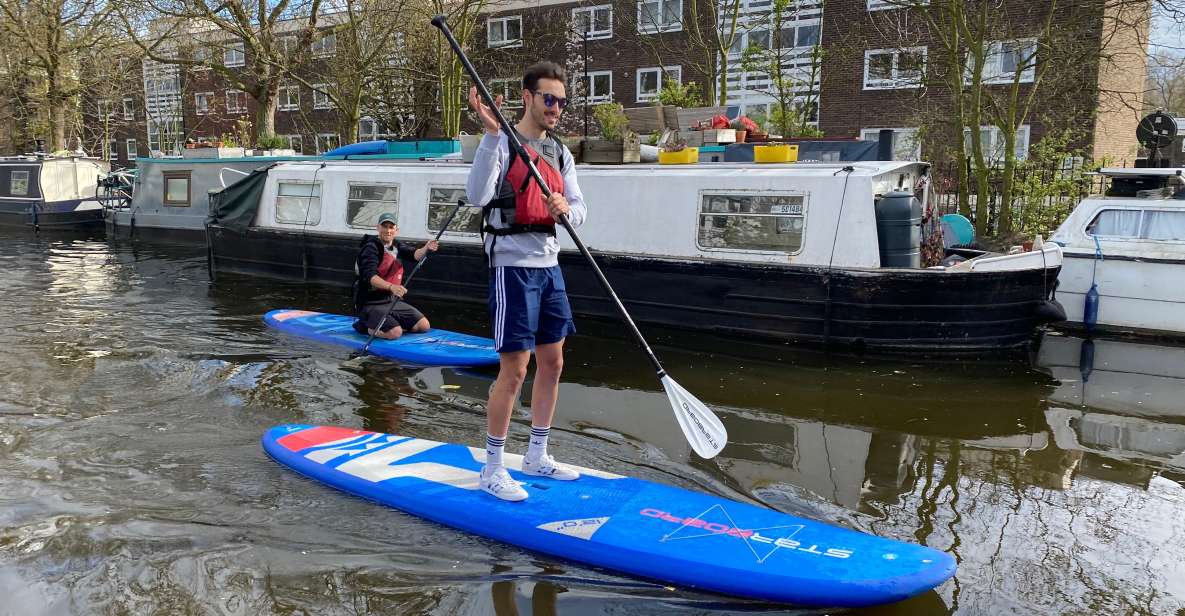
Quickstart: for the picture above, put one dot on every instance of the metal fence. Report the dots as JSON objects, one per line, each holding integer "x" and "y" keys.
{"x": 1043, "y": 195}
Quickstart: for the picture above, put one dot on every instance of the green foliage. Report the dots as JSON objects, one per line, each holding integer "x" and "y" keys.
{"x": 270, "y": 142}
{"x": 614, "y": 125}
{"x": 1050, "y": 183}
{"x": 680, "y": 95}
{"x": 790, "y": 120}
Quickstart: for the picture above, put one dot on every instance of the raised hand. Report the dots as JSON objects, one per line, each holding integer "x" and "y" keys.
{"x": 488, "y": 119}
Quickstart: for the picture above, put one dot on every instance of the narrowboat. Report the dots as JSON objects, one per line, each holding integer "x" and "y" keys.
{"x": 50, "y": 192}
{"x": 819, "y": 253}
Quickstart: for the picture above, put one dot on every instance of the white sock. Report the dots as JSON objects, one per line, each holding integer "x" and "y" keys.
{"x": 538, "y": 446}
{"x": 495, "y": 445}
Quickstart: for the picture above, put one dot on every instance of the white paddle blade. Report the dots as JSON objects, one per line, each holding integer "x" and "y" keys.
{"x": 700, "y": 425}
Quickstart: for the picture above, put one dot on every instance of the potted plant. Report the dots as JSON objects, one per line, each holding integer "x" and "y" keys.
{"x": 272, "y": 145}
{"x": 744, "y": 127}
{"x": 618, "y": 144}
{"x": 676, "y": 152}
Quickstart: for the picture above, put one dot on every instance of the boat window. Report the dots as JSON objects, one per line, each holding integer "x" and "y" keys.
{"x": 176, "y": 188}
{"x": 369, "y": 201}
{"x": 442, "y": 202}
{"x": 1160, "y": 225}
{"x": 752, "y": 222}
{"x": 298, "y": 203}
{"x": 20, "y": 183}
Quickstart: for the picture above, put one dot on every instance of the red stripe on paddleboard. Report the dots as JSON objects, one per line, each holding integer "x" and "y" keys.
{"x": 317, "y": 436}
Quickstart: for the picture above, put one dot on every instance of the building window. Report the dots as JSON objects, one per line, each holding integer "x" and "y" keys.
{"x": 295, "y": 143}
{"x": 1158, "y": 225}
{"x": 298, "y": 203}
{"x": 106, "y": 108}
{"x": 321, "y": 97}
{"x": 236, "y": 101}
{"x": 441, "y": 203}
{"x": 176, "y": 188}
{"x": 906, "y": 145}
{"x": 233, "y": 55}
{"x": 113, "y": 149}
{"x": 133, "y": 151}
{"x": 881, "y": 5}
{"x": 599, "y": 86}
{"x": 593, "y": 22}
{"x": 886, "y": 69}
{"x": 325, "y": 46}
{"x": 201, "y": 102}
{"x": 660, "y": 16}
{"x": 651, "y": 80}
{"x": 369, "y": 201}
{"x": 992, "y": 141}
{"x": 505, "y": 31}
{"x": 752, "y": 222}
{"x": 129, "y": 109}
{"x": 1004, "y": 59}
{"x": 511, "y": 91}
{"x": 368, "y": 129}
{"x": 19, "y": 184}
{"x": 289, "y": 98}
{"x": 327, "y": 142}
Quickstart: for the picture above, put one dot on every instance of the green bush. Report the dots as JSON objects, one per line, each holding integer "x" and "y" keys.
{"x": 611, "y": 118}
{"x": 271, "y": 142}
{"x": 680, "y": 95}
{"x": 1049, "y": 183}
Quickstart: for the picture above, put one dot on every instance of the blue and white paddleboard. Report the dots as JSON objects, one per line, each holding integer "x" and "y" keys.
{"x": 436, "y": 347}
{"x": 628, "y": 525}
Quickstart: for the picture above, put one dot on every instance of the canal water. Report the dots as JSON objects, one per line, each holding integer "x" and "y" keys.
{"x": 133, "y": 392}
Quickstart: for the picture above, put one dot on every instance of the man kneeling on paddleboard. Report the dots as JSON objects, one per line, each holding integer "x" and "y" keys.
{"x": 379, "y": 276}
{"x": 527, "y": 297}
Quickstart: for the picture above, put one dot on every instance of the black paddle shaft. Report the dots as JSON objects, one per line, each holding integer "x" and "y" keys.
{"x": 440, "y": 22}
{"x": 394, "y": 298}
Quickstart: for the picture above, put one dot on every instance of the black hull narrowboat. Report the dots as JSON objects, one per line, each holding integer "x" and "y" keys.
{"x": 51, "y": 193}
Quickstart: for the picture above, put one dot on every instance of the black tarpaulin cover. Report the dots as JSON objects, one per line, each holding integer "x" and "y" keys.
{"x": 234, "y": 207}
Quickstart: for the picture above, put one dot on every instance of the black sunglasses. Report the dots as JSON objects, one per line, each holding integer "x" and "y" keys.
{"x": 551, "y": 99}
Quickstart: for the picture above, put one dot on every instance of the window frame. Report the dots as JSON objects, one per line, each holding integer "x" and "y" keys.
{"x": 298, "y": 182}
{"x": 699, "y": 214}
{"x": 176, "y": 175}
{"x": 299, "y": 139}
{"x": 129, "y": 108}
{"x": 447, "y": 232}
{"x": 594, "y": 99}
{"x": 894, "y": 82}
{"x": 113, "y": 149}
{"x": 397, "y": 202}
{"x": 594, "y": 35}
{"x": 286, "y": 90}
{"x": 995, "y": 143}
{"x": 886, "y": 5}
{"x": 324, "y": 46}
{"x": 319, "y": 90}
{"x": 241, "y": 95}
{"x": 504, "y": 44}
{"x": 132, "y": 148}
{"x": 897, "y": 130}
{"x": 993, "y": 68}
{"x": 234, "y": 55}
{"x": 12, "y": 182}
{"x": 202, "y": 109}
{"x": 662, "y": 75}
{"x": 512, "y": 96}
{"x": 1113, "y": 238}
{"x": 644, "y": 28}
{"x": 335, "y": 136}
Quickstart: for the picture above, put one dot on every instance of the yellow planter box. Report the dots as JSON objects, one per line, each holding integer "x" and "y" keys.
{"x": 686, "y": 156}
{"x": 784, "y": 153}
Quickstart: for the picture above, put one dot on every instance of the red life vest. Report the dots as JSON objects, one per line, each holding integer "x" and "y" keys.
{"x": 530, "y": 209}
{"x": 391, "y": 268}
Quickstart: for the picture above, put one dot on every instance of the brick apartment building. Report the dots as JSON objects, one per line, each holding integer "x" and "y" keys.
{"x": 875, "y": 74}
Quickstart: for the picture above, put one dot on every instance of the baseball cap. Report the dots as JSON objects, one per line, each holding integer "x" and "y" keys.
{"x": 388, "y": 217}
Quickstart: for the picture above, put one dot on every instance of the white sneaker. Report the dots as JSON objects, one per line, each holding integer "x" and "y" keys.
{"x": 501, "y": 484}
{"x": 546, "y": 466}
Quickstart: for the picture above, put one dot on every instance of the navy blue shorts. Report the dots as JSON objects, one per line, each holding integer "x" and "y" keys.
{"x": 528, "y": 306}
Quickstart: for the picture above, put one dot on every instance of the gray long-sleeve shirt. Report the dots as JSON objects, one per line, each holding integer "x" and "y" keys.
{"x": 522, "y": 249}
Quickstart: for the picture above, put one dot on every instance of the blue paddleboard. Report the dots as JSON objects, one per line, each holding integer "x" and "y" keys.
{"x": 619, "y": 523}
{"x": 435, "y": 347}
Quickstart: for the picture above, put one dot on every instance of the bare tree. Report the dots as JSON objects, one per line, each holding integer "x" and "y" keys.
{"x": 53, "y": 35}
{"x": 252, "y": 45}
{"x": 1166, "y": 84}
{"x": 787, "y": 70}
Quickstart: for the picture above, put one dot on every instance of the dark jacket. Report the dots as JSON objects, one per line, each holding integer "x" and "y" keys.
{"x": 370, "y": 255}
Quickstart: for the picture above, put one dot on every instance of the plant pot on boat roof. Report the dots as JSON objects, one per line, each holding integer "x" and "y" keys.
{"x": 618, "y": 144}
{"x": 676, "y": 152}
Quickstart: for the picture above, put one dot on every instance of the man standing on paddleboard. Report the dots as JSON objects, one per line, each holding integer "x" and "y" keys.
{"x": 527, "y": 297}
